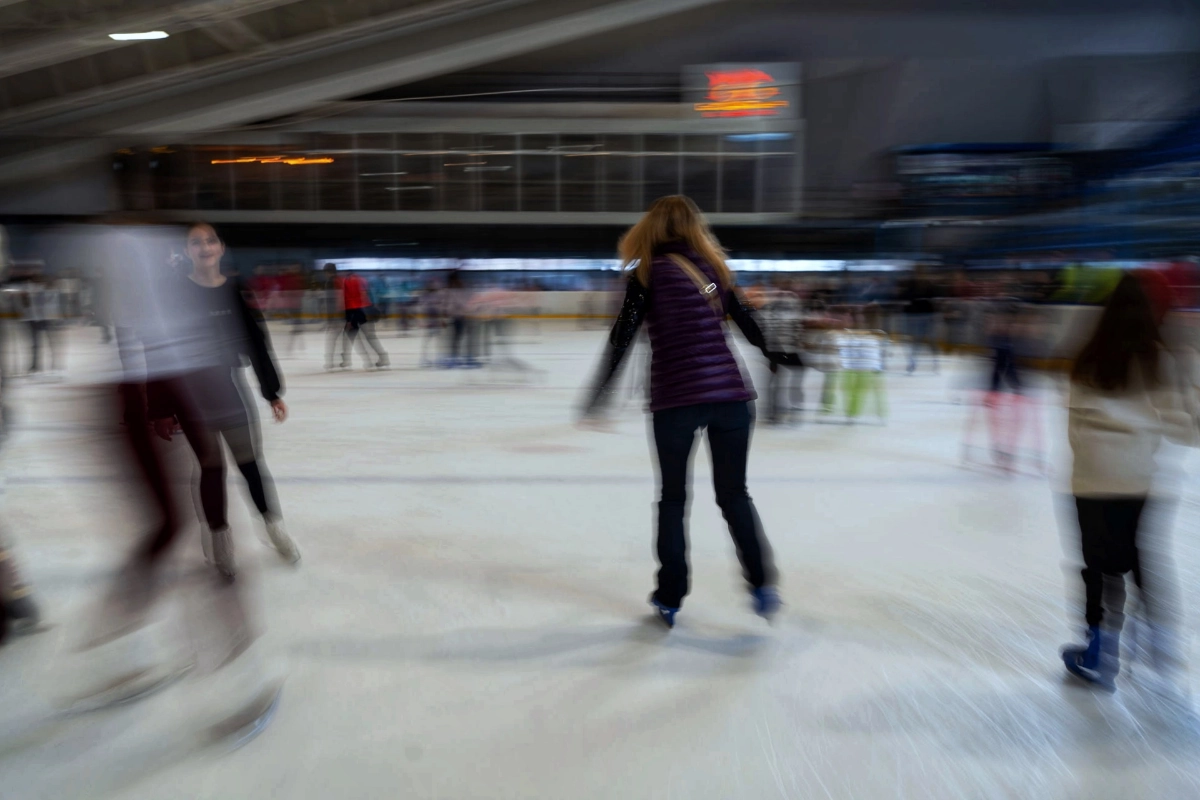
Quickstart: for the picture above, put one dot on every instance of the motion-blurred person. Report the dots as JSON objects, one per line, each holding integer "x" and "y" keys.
{"x": 920, "y": 313}
{"x": 434, "y": 321}
{"x": 1003, "y": 400}
{"x": 168, "y": 357}
{"x": 861, "y": 354}
{"x": 1124, "y": 399}
{"x": 226, "y": 330}
{"x": 783, "y": 327}
{"x": 457, "y": 308}
{"x": 360, "y": 317}
{"x": 41, "y": 310}
{"x": 683, "y": 289}
{"x": 18, "y": 610}
{"x": 333, "y": 312}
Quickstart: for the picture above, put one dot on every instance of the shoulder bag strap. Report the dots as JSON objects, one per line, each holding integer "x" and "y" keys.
{"x": 709, "y": 290}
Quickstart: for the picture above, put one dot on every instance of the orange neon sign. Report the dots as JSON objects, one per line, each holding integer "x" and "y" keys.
{"x": 291, "y": 161}
{"x": 742, "y": 93}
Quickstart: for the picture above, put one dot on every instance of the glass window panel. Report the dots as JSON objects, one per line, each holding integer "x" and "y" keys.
{"x": 376, "y": 171}
{"x": 539, "y": 172}
{"x": 336, "y": 182}
{"x": 579, "y": 172}
{"x": 170, "y": 172}
{"x": 700, "y": 166}
{"x": 778, "y": 190}
{"x": 254, "y": 181}
{"x": 498, "y": 177}
{"x": 660, "y": 167}
{"x": 739, "y": 171}
{"x": 459, "y": 178}
{"x": 420, "y": 161}
{"x": 621, "y": 189}
{"x": 214, "y": 182}
{"x": 297, "y": 185}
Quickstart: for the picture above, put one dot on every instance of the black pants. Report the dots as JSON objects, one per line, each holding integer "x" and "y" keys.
{"x": 1109, "y": 534}
{"x": 206, "y": 444}
{"x": 729, "y": 443}
{"x": 38, "y": 329}
{"x": 357, "y": 319}
{"x": 1004, "y": 369}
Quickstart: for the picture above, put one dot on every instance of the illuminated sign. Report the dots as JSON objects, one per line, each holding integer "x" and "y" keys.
{"x": 742, "y": 93}
{"x": 289, "y": 160}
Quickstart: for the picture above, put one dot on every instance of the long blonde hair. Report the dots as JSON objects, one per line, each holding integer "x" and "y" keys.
{"x": 673, "y": 218}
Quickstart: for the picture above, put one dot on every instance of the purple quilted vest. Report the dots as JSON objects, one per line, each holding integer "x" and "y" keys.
{"x": 691, "y": 359}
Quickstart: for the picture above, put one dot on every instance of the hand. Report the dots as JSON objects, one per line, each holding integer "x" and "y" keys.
{"x": 163, "y": 428}
{"x": 279, "y": 409}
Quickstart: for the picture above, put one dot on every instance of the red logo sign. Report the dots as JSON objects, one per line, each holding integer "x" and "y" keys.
{"x": 742, "y": 93}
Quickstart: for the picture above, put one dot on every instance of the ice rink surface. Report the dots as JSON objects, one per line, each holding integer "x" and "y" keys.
{"x": 470, "y": 617}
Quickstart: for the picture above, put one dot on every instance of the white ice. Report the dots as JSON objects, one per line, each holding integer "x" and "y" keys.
{"x": 470, "y": 618}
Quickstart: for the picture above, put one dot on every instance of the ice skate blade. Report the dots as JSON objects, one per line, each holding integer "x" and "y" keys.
{"x": 1081, "y": 676}
{"x": 244, "y": 727}
{"x": 129, "y": 689}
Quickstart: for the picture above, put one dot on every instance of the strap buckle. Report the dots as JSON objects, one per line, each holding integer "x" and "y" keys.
{"x": 712, "y": 287}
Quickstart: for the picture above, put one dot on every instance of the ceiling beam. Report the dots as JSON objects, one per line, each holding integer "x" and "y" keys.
{"x": 367, "y": 69}
{"x": 60, "y": 112}
{"x": 76, "y": 43}
{"x": 446, "y": 44}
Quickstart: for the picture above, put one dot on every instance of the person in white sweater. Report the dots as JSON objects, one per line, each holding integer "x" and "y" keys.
{"x": 1125, "y": 398}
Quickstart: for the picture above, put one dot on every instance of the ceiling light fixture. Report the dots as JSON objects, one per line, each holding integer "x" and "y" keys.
{"x": 138, "y": 37}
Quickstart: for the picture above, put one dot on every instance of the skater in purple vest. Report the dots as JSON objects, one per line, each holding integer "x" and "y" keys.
{"x": 683, "y": 290}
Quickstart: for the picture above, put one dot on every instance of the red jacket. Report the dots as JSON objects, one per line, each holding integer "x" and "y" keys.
{"x": 355, "y": 292}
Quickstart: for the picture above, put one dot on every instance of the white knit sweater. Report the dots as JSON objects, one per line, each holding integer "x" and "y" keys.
{"x": 1114, "y": 436}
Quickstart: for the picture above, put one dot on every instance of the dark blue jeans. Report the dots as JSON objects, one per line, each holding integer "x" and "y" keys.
{"x": 728, "y": 427}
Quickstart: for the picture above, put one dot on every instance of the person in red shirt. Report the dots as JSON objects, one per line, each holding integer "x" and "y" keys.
{"x": 360, "y": 313}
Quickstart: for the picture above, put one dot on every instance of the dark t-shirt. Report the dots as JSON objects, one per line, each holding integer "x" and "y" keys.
{"x": 224, "y": 327}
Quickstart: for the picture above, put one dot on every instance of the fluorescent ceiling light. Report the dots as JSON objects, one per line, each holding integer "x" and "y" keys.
{"x": 137, "y": 37}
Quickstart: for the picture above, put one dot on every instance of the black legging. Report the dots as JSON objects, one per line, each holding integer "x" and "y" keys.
{"x": 1108, "y": 530}
{"x": 729, "y": 443}
{"x": 206, "y": 444}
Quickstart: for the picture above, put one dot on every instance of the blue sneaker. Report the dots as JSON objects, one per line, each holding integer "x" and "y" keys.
{"x": 766, "y": 601}
{"x": 1098, "y": 661}
{"x": 665, "y": 613}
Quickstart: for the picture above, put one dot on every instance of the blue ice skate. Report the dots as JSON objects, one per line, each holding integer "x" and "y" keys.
{"x": 1097, "y": 662}
{"x": 766, "y": 602}
{"x": 665, "y": 612}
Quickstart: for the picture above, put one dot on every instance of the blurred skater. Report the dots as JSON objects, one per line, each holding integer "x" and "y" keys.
{"x": 1124, "y": 400}
{"x": 457, "y": 307}
{"x": 19, "y": 612}
{"x": 1004, "y": 401}
{"x": 784, "y": 329}
{"x": 332, "y": 312}
{"x": 920, "y": 314}
{"x": 433, "y": 322}
{"x": 861, "y": 354}
{"x": 360, "y": 317}
{"x": 164, "y": 360}
{"x": 224, "y": 329}
{"x": 683, "y": 289}
{"x": 42, "y": 311}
